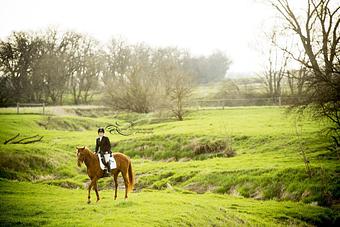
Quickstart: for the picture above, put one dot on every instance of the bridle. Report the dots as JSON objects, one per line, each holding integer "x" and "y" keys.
{"x": 80, "y": 158}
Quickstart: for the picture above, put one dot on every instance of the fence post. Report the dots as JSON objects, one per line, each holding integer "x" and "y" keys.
{"x": 17, "y": 108}
{"x": 279, "y": 100}
{"x": 43, "y": 108}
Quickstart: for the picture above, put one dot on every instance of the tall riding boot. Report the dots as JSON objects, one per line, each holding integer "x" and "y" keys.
{"x": 108, "y": 167}
{"x": 105, "y": 171}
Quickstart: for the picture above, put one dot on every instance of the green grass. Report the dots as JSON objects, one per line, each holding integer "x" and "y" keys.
{"x": 36, "y": 204}
{"x": 192, "y": 156}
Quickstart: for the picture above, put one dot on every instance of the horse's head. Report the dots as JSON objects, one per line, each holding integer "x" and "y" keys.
{"x": 80, "y": 155}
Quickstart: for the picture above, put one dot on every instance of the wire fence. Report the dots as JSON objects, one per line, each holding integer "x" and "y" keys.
{"x": 223, "y": 103}
{"x": 42, "y": 108}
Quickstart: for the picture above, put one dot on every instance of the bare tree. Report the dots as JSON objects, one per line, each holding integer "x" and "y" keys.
{"x": 275, "y": 68}
{"x": 175, "y": 80}
{"x": 296, "y": 80}
{"x": 179, "y": 92}
{"x": 83, "y": 66}
{"x": 18, "y": 55}
{"x": 142, "y": 79}
{"x": 52, "y": 66}
{"x": 129, "y": 79}
{"x": 318, "y": 32}
{"x": 45, "y": 66}
{"x": 93, "y": 69}
{"x": 228, "y": 90}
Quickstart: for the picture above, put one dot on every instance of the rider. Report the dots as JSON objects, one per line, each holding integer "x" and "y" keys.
{"x": 103, "y": 145}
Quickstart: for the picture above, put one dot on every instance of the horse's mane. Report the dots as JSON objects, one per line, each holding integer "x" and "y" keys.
{"x": 88, "y": 151}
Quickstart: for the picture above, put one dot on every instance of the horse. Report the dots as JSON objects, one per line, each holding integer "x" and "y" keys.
{"x": 91, "y": 160}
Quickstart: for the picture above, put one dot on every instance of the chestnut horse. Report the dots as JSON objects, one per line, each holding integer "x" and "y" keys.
{"x": 94, "y": 171}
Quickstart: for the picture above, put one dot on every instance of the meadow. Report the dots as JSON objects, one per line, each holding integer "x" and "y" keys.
{"x": 237, "y": 166}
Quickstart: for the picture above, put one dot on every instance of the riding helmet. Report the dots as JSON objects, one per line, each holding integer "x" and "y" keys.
{"x": 101, "y": 129}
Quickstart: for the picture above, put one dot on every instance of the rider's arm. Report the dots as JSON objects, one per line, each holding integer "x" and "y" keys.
{"x": 108, "y": 140}
{"x": 97, "y": 146}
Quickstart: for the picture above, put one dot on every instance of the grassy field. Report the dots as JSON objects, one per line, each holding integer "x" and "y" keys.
{"x": 238, "y": 166}
{"x": 36, "y": 204}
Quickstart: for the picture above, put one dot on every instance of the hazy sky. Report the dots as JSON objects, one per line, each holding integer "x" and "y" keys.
{"x": 200, "y": 26}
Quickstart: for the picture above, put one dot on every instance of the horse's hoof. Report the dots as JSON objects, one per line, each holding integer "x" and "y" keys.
{"x": 88, "y": 202}
{"x": 97, "y": 200}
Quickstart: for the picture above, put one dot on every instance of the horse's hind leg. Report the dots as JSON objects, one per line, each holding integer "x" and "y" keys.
{"x": 115, "y": 176}
{"x": 126, "y": 182}
{"x": 96, "y": 189}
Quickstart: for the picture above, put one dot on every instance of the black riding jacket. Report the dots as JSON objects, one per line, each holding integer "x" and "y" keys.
{"x": 103, "y": 145}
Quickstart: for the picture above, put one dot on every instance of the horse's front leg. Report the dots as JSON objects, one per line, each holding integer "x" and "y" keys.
{"x": 90, "y": 186}
{"x": 88, "y": 196}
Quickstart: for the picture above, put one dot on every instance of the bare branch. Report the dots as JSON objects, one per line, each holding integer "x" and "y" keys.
{"x": 7, "y": 141}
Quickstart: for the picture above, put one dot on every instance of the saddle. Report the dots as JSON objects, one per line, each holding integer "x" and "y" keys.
{"x": 107, "y": 158}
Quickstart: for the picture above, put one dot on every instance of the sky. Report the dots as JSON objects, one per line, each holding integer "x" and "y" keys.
{"x": 199, "y": 26}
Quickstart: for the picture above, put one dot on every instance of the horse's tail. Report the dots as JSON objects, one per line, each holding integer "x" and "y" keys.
{"x": 131, "y": 177}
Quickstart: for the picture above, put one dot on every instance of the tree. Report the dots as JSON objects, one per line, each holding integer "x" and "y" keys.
{"x": 319, "y": 36}
{"x": 296, "y": 80}
{"x": 52, "y": 66}
{"x": 129, "y": 79}
{"x": 218, "y": 65}
{"x": 117, "y": 63}
{"x": 93, "y": 69}
{"x": 228, "y": 90}
{"x": 275, "y": 68}
{"x": 209, "y": 69}
{"x": 6, "y": 94}
{"x": 44, "y": 66}
{"x": 176, "y": 79}
{"x": 179, "y": 91}
{"x": 142, "y": 79}
{"x": 17, "y": 58}
{"x": 83, "y": 66}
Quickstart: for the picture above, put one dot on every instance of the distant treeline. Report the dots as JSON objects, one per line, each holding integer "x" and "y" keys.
{"x": 50, "y": 65}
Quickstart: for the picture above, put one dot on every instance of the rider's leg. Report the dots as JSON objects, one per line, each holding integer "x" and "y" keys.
{"x": 103, "y": 161}
{"x": 108, "y": 166}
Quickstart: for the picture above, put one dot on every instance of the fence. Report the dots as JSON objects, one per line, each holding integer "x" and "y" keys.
{"x": 30, "y": 105}
{"x": 222, "y": 103}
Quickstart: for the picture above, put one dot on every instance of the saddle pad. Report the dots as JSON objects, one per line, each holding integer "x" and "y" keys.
{"x": 112, "y": 161}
